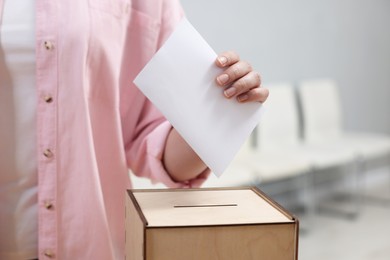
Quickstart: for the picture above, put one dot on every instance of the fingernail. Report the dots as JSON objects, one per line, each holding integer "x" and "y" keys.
{"x": 242, "y": 98}
{"x": 230, "y": 92}
{"x": 222, "y": 60}
{"x": 223, "y": 79}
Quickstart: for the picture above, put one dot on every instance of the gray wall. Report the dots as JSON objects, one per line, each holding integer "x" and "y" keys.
{"x": 286, "y": 40}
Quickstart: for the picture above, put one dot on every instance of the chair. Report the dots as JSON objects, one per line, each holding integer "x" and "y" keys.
{"x": 322, "y": 114}
{"x": 278, "y": 136}
{"x": 321, "y": 109}
{"x": 277, "y": 132}
{"x": 251, "y": 167}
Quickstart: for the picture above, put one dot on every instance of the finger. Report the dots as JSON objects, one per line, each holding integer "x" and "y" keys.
{"x": 254, "y": 95}
{"x": 227, "y": 58}
{"x": 234, "y": 72}
{"x": 244, "y": 84}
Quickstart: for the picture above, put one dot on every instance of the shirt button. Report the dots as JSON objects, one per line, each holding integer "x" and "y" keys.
{"x": 48, "y": 153}
{"x": 48, "y": 205}
{"x": 48, "y": 45}
{"x": 48, "y": 99}
{"x": 48, "y": 253}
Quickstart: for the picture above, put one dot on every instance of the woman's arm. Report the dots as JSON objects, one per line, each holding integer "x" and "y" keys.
{"x": 180, "y": 161}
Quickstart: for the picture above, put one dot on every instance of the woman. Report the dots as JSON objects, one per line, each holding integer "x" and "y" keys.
{"x": 72, "y": 122}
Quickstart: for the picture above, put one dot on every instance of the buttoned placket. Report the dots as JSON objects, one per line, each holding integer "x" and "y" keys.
{"x": 47, "y": 87}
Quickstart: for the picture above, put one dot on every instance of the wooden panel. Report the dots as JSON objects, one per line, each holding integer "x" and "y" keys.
{"x": 207, "y": 207}
{"x": 135, "y": 232}
{"x": 273, "y": 241}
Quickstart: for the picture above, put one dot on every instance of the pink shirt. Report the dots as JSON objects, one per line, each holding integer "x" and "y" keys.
{"x": 92, "y": 122}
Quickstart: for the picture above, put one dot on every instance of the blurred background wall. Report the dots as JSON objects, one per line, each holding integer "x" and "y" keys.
{"x": 285, "y": 40}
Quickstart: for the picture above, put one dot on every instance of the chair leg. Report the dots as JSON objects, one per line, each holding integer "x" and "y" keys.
{"x": 360, "y": 166}
{"x": 388, "y": 166}
{"x": 309, "y": 196}
{"x": 374, "y": 199}
{"x": 357, "y": 167}
{"x": 353, "y": 195}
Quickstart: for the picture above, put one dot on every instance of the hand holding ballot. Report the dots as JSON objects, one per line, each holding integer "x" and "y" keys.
{"x": 239, "y": 79}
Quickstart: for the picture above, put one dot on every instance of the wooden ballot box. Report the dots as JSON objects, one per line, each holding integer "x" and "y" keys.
{"x": 208, "y": 224}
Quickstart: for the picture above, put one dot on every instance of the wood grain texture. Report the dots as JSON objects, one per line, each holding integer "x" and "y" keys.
{"x": 260, "y": 242}
{"x": 135, "y": 231}
{"x": 207, "y": 207}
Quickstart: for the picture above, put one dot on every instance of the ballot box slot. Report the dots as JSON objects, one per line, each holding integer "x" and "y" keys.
{"x": 205, "y": 206}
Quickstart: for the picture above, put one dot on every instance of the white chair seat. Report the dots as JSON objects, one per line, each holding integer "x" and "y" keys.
{"x": 325, "y": 155}
{"x": 251, "y": 168}
{"x": 284, "y": 161}
{"x": 272, "y": 165}
{"x": 369, "y": 146}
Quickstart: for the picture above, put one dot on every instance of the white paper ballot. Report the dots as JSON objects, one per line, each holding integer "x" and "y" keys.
{"x": 180, "y": 82}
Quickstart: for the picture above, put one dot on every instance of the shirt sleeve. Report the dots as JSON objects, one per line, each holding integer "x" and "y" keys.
{"x": 171, "y": 14}
{"x": 145, "y": 151}
{"x": 155, "y": 144}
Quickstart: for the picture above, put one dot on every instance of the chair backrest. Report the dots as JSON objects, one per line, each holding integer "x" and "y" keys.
{"x": 280, "y": 123}
{"x": 321, "y": 110}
